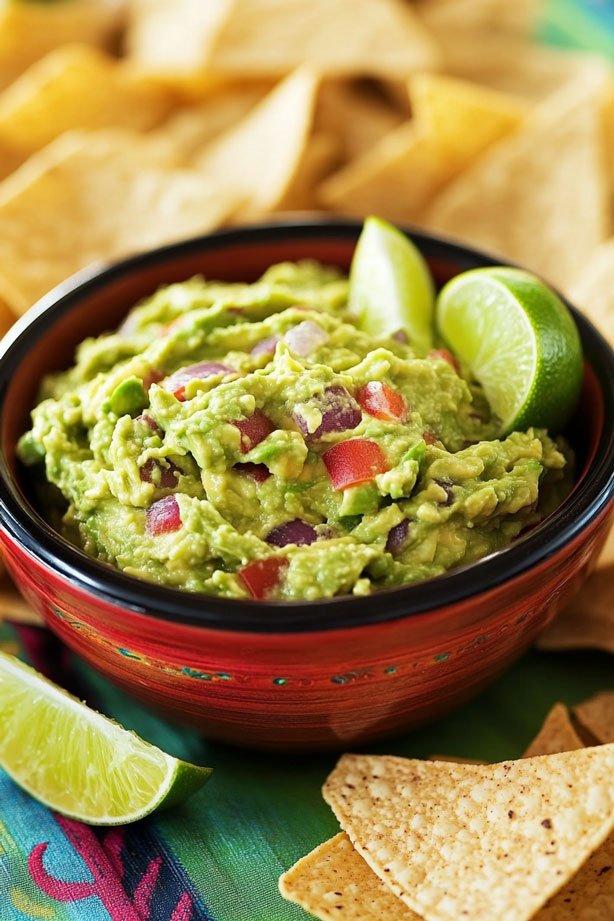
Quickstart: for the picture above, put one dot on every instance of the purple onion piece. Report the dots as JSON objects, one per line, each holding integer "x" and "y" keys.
{"x": 397, "y": 536}
{"x": 306, "y": 337}
{"x": 339, "y": 410}
{"x": 177, "y": 381}
{"x": 292, "y": 532}
{"x": 266, "y": 346}
{"x": 400, "y": 336}
{"x": 147, "y": 420}
{"x": 168, "y": 475}
{"x": 446, "y": 485}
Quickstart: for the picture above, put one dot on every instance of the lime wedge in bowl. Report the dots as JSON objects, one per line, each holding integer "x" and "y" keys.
{"x": 519, "y": 341}
{"x": 77, "y": 761}
{"x": 391, "y": 287}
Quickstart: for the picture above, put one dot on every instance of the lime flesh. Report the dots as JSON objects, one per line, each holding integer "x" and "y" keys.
{"x": 519, "y": 341}
{"x": 77, "y": 761}
{"x": 391, "y": 287}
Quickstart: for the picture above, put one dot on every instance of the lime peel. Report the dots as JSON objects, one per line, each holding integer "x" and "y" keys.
{"x": 519, "y": 341}
{"x": 78, "y": 762}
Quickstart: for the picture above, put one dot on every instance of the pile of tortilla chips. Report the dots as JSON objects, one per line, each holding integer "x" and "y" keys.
{"x": 130, "y": 123}
{"x": 443, "y": 841}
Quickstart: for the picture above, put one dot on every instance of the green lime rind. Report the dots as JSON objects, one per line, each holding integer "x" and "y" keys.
{"x": 391, "y": 287}
{"x": 520, "y": 342}
{"x": 78, "y": 762}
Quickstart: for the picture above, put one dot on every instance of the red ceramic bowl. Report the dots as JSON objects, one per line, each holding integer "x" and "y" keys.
{"x": 290, "y": 675}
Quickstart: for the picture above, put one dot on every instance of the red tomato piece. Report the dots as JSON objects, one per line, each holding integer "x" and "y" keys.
{"x": 262, "y": 577}
{"x": 258, "y": 472}
{"x": 382, "y": 402}
{"x": 254, "y": 430}
{"x": 355, "y": 461}
{"x": 163, "y": 516}
{"x": 446, "y": 356}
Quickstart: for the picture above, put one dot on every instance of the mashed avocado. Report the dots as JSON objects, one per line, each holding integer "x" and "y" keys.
{"x": 249, "y": 441}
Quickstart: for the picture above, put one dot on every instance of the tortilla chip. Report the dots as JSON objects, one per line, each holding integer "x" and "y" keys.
{"x": 334, "y": 882}
{"x": 454, "y": 121}
{"x": 54, "y": 219}
{"x": 556, "y": 735}
{"x": 454, "y": 759}
{"x": 593, "y": 290}
{"x": 606, "y": 557}
{"x": 538, "y": 197}
{"x": 29, "y": 30}
{"x": 7, "y": 318}
{"x": 262, "y": 155}
{"x": 588, "y": 621}
{"x": 266, "y": 38}
{"x": 492, "y": 841}
{"x": 188, "y": 131}
{"x": 499, "y": 15}
{"x": 76, "y": 86}
{"x": 14, "y": 608}
{"x": 597, "y": 715}
{"x": 358, "y": 114}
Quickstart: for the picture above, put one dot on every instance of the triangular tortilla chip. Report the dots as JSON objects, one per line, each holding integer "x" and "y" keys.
{"x": 261, "y": 156}
{"x": 597, "y": 715}
{"x": 556, "y": 735}
{"x": 454, "y": 121}
{"x": 539, "y": 197}
{"x": 593, "y": 290}
{"x": 475, "y": 841}
{"x": 29, "y": 30}
{"x": 14, "y": 608}
{"x": 587, "y": 622}
{"x": 454, "y": 15}
{"x": 76, "y": 86}
{"x": 334, "y": 882}
{"x": 93, "y": 197}
{"x": 360, "y": 116}
{"x": 346, "y": 37}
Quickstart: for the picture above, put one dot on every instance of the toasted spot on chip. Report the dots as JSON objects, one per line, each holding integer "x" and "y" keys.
{"x": 597, "y": 716}
{"x": 556, "y": 735}
{"x": 493, "y": 867}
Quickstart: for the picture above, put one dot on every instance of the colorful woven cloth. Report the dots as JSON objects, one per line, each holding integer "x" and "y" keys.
{"x": 218, "y": 857}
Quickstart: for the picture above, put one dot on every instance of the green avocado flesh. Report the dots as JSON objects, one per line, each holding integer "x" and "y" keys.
{"x": 115, "y": 434}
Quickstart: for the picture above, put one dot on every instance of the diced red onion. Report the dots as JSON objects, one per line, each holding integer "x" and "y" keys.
{"x": 292, "y": 532}
{"x": 306, "y": 337}
{"x": 146, "y": 419}
{"x": 163, "y": 516}
{"x": 400, "y": 336}
{"x": 178, "y": 381}
{"x": 168, "y": 475}
{"x": 152, "y": 377}
{"x": 429, "y": 437}
{"x": 397, "y": 536}
{"x": 340, "y": 412}
{"x": 266, "y": 346}
{"x": 258, "y": 472}
{"x": 253, "y": 430}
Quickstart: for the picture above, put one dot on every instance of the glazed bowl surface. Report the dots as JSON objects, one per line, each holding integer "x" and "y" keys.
{"x": 291, "y": 675}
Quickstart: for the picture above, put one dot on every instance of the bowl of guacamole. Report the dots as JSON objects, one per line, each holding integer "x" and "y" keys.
{"x": 215, "y": 482}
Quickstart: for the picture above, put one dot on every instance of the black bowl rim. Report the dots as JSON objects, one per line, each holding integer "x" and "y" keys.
{"x": 24, "y": 525}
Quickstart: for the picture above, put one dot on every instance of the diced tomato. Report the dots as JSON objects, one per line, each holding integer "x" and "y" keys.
{"x": 262, "y": 577}
{"x": 163, "y": 516}
{"x": 446, "y": 356}
{"x": 258, "y": 472}
{"x": 178, "y": 381}
{"x": 254, "y": 430}
{"x": 382, "y": 402}
{"x": 355, "y": 461}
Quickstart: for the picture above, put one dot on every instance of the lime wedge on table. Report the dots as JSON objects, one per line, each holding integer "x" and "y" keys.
{"x": 519, "y": 341}
{"x": 391, "y": 287}
{"x": 78, "y": 762}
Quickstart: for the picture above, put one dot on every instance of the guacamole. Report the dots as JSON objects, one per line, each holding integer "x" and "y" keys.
{"x": 247, "y": 440}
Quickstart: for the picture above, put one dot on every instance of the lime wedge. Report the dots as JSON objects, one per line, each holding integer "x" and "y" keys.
{"x": 78, "y": 762}
{"x": 519, "y": 341}
{"x": 391, "y": 287}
